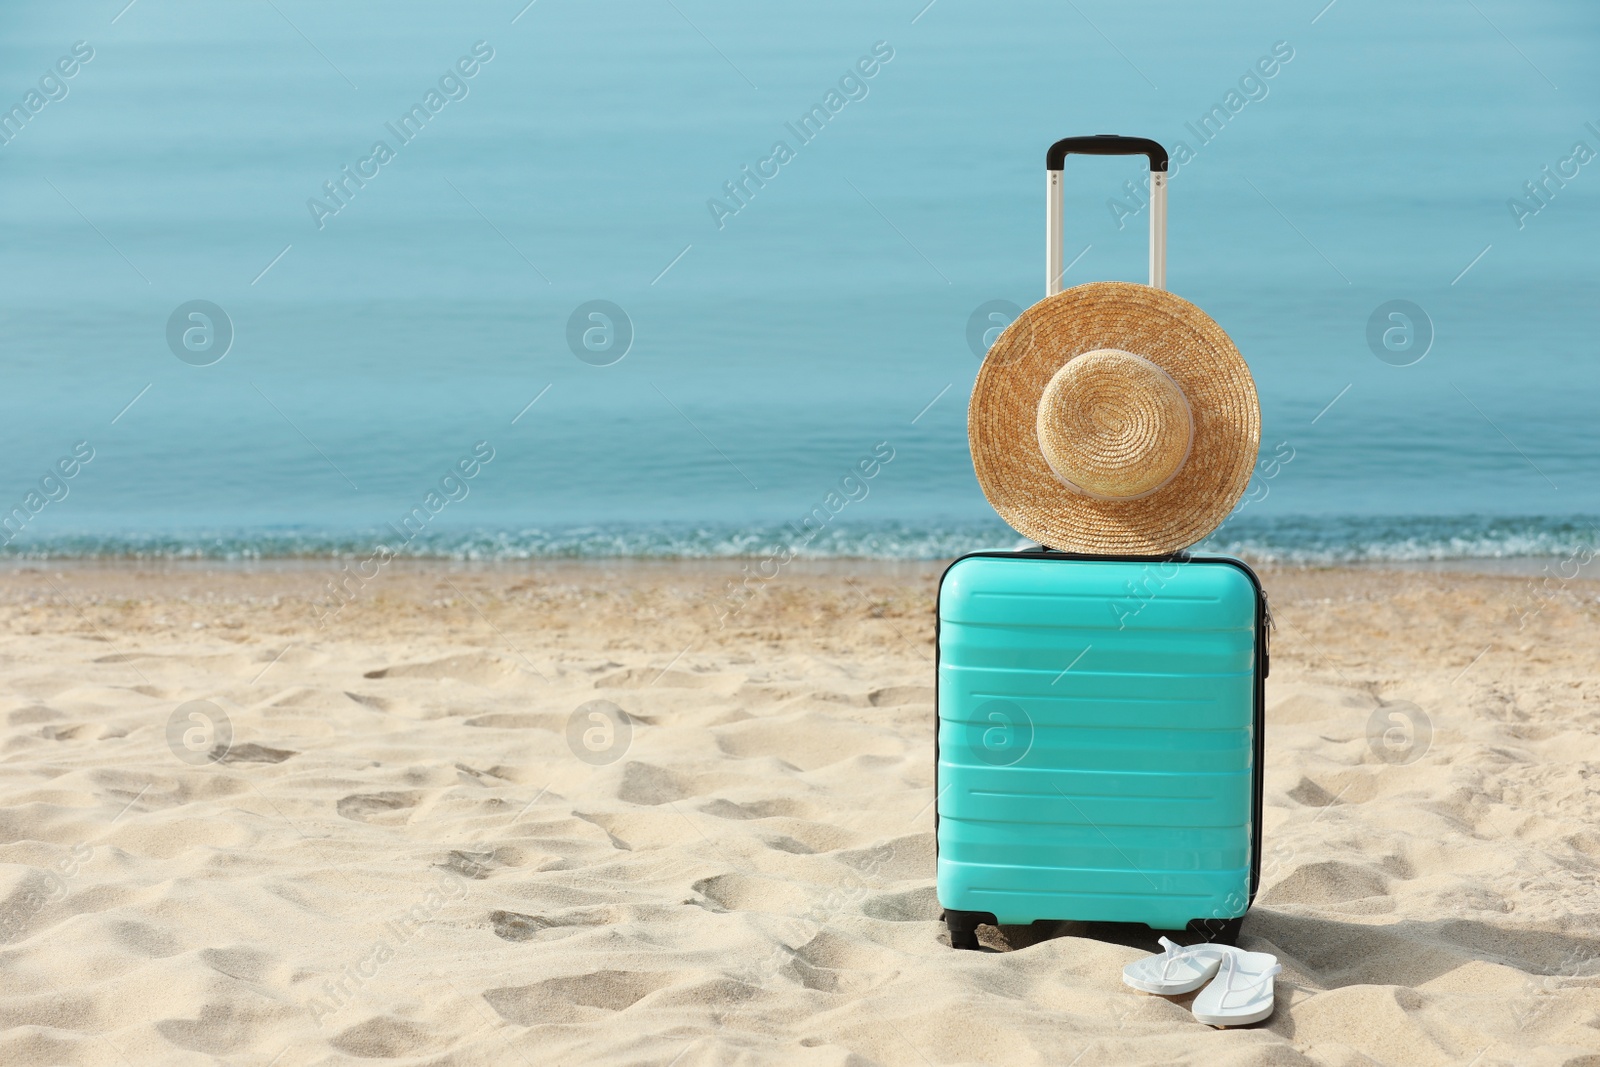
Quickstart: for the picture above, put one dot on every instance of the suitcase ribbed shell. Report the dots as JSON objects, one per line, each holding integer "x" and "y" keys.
{"x": 1097, "y": 739}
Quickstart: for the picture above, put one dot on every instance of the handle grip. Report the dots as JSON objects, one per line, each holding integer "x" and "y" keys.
{"x": 1105, "y": 144}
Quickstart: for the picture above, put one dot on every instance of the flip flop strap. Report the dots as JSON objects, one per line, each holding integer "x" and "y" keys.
{"x": 1172, "y": 955}
{"x": 1228, "y": 972}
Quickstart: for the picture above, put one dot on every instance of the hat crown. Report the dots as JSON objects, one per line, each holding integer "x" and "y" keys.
{"x": 1113, "y": 425}
{"x": 1153, "y": 467}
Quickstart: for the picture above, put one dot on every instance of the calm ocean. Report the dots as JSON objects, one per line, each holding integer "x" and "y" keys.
{"x": 399, "y": 218}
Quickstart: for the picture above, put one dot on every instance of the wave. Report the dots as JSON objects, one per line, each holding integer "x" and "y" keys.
{"x": 1407, "y": 539}
{"x": 1299, "y": 540}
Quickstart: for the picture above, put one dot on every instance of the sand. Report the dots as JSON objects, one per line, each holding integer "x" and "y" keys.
{"x": 401, "y": 857}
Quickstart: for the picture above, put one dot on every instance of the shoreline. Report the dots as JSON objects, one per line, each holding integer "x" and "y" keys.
{"x": 1506, "y": 566}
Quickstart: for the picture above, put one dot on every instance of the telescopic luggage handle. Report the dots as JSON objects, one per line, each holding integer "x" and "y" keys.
{"x": 1105, "y": 144}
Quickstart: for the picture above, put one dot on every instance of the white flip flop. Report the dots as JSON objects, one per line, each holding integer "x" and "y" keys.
{"x": 1241, "y": 994}
{"x": 1180, "y": 969}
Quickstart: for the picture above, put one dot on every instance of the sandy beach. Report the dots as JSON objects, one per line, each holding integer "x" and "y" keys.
{"x": 407, "y": 832}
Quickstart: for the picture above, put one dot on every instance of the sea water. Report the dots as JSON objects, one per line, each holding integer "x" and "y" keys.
{"x": 667, "y": 277}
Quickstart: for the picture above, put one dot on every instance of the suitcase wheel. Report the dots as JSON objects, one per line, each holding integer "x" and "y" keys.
{"x": 964, "y": 927}
{"x": 1219, "y": 931}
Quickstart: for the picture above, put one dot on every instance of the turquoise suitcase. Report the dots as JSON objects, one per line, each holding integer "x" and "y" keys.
{"x": 1099, "y": 746}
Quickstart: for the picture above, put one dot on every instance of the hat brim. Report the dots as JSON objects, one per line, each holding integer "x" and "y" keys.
{"x": 1170, "y": 332}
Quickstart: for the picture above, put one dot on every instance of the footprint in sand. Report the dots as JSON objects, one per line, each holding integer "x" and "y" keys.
{"x": 830, "y": 963}
{"x": 516, "y": 926}
{"x": 144, "y": 940}
{"x": 250, "y": 753}
{"x": 810, "y": 976}
{"x": 480, "y": 865}
{"x": 217, "y": 1031}
{"x": 645, "y": 783}
{"x": 1311, "y": 795}
{"x": 384, "y": 1037}
{"x": 386, "y": 809}
{"x": 475, "y": 865}
{"x": 785, "y": 843}
{"x": 897, "y": 695}
{"x": 910, "y": 906}
{"x": 738, "y": 892}
{"x": 565, "y": 999}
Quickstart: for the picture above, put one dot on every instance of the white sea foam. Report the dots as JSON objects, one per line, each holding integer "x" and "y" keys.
{"x": 1305, "y": 540}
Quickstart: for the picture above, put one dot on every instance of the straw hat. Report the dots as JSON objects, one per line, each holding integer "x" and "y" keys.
{"x": 1114, "y": 419}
